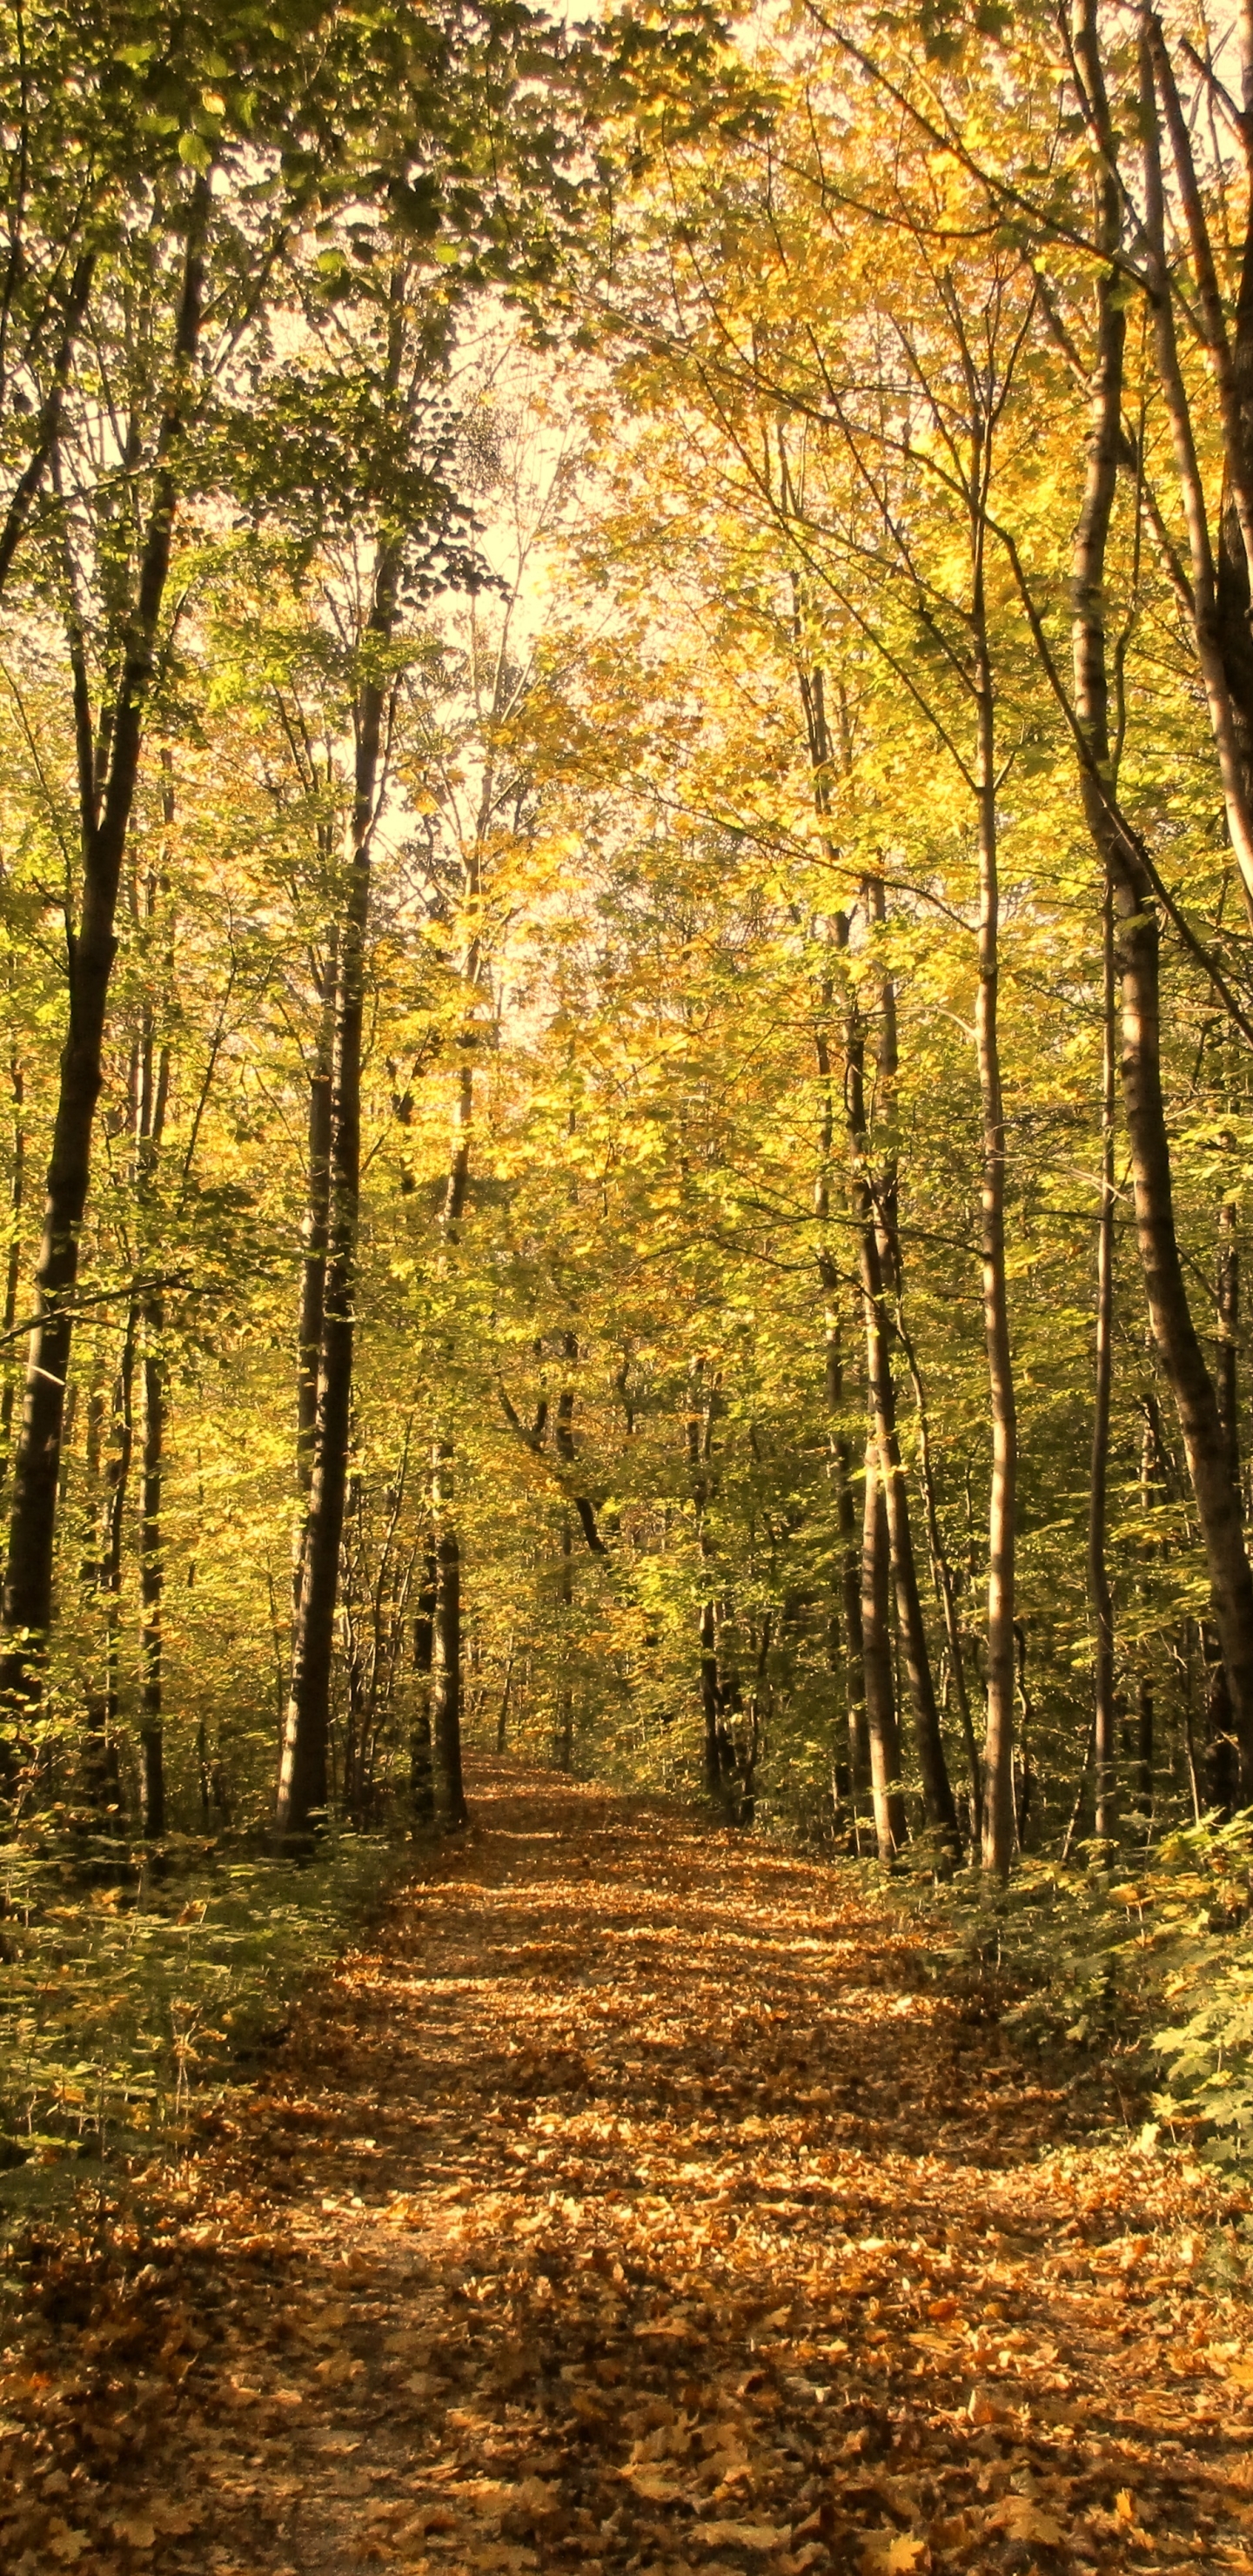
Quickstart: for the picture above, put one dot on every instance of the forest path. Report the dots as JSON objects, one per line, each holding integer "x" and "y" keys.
{"x": 635, "y": 2202}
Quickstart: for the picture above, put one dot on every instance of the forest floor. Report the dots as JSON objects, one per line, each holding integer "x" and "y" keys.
{"x": 637, "y": 2200}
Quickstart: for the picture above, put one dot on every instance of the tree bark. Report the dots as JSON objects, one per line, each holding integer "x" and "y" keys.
{"x": 937, "y": 1789}
{"x": 565, "y": 1732}
{"x": 1137, "y": 958}
{"x": 446, "y": 1665}
{"x": 885, "y": 1759}
{"x": 1206, "y": 623}
{"x": 314, "y": 1243}
{"x": 998, "y": 1747}
{"x": 850, "y": 1579}
{"x": 152, "y": 1578}
{"x": 421, "y": 1758}
{"x": 13, "y": 1263}
{"x": 303, "y": 1778}
{"x": 1100, "y": 1597}
{"x": 105, "y": 822}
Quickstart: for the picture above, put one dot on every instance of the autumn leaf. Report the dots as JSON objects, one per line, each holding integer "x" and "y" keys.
{"x": 67, "y": 2545}
{"x": 655, "y": 2484}
{"x": 1020, "y": 2519}
{"x": 893, "y": 2553}
{"x": 135, "y": 2529}
{"x": 739, "y": 2535}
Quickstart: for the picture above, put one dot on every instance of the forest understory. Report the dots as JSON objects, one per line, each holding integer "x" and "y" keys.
{"x": 638, "y": 2197}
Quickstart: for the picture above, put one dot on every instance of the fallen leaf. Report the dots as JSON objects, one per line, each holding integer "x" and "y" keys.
{"x": 893, "y": 2553}
{"x": 739, "y": 2535}
{"x": 175, "y": 2520}
{"x": 135, "y": 2529}
{"x": 1020, "y": 2519}
{"x": 655, "y": 2484}
{"x": 67, "y": 2546}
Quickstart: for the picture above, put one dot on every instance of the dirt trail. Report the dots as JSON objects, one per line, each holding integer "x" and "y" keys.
{"x": 638, "y": 2204}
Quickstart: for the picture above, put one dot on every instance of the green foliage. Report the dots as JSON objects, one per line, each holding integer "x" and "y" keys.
{"x": 1090, "y": 1959}
{"x": 135, "y": 1981}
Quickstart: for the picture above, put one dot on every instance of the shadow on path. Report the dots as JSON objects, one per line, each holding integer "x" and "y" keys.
{"x": 635, "y": 2203}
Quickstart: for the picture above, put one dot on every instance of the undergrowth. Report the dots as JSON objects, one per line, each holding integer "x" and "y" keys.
{"x": 1144, "y": 1964}
{"x": 134, "y": 1983}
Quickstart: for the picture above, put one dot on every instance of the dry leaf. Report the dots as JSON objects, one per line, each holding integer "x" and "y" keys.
{"x": 656, "y": 2484}
{"x": 739, "y": 2535}
{"x": 893, "y": 2553}
{"x": 1020, "y": 2519}
{"x": 67, "y": 2546}
{"x": 175, "y": 2520}
{"x": 135, "y": 2529}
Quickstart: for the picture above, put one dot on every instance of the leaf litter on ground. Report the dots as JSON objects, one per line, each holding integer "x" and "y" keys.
{"x": 635, "y": 2201}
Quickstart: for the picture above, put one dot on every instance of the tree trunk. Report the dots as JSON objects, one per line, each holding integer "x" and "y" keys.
{"x": 1206, "y": 622}
{"x": 565, "y": 1732}
{"x": 998, "y": 1748}
{"x": 1100, "y": 1598}
{"x": 314, "y": 1240}
{"x": 1227, "y": 1386}
{"x": 1137, "y": 958}
{"x": 937, "y": 1789}
{"x": 13, "y": 1264}
{"x": 850, "y": 1581}
{"x": 885, "y": 1759}
{"x": 446, "y": 1669}
{"x": 303, "y": 1779}
{"x": 105, "y": 821}
{"x": 421, "y": 1763}
{"x": 118, "y": 1483}
{"x": 151, "y": 1579}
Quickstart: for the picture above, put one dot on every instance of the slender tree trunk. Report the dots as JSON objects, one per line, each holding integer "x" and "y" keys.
{"x": 13, "y": 1263}
{"x": 1227, "y": 1383}
{"x": 998, "y": 1749}
{"x": 1137, "y": 957}
{"x": 814, "y": 702}
{"x": 946, "y": 1589}
{"x": 565, "y": 1733}
{"x": 502, "y": 1720}
{"x": 1100, "y": 1598}
{"x": 850, "y": 1579}
{"x": 1144, "y": 1745}
{"x": 151, "y": 1579}
{"x": 303, "y": 1777}
{"x": 118, "y": 1484}
{"x": 421, "y": 1757}
{"x": 105, "y": 819}
{"x": 313, "y": 1265}
{"x": 876, "y": 1628}
{"x": 151, "y": 1105}
{"x": 1218, "y": 587}
{"x": 937, "y": 1789}
{"x": 446, "y": 1662}
{"x": 1205, "y": 608}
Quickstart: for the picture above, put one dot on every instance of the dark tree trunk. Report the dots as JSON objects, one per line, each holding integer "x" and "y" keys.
{"x": 13, "y": 1264}
{"x": 1137, "y": 957}
{"x": 565, "y": 1731}
{"x": 105, "y": 821}
{"x": 314, "y": 1241}
{"x": 303, "y": 1776}
{"x": 151, "y": 1579}
{"x": 1100, "y": 1598}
